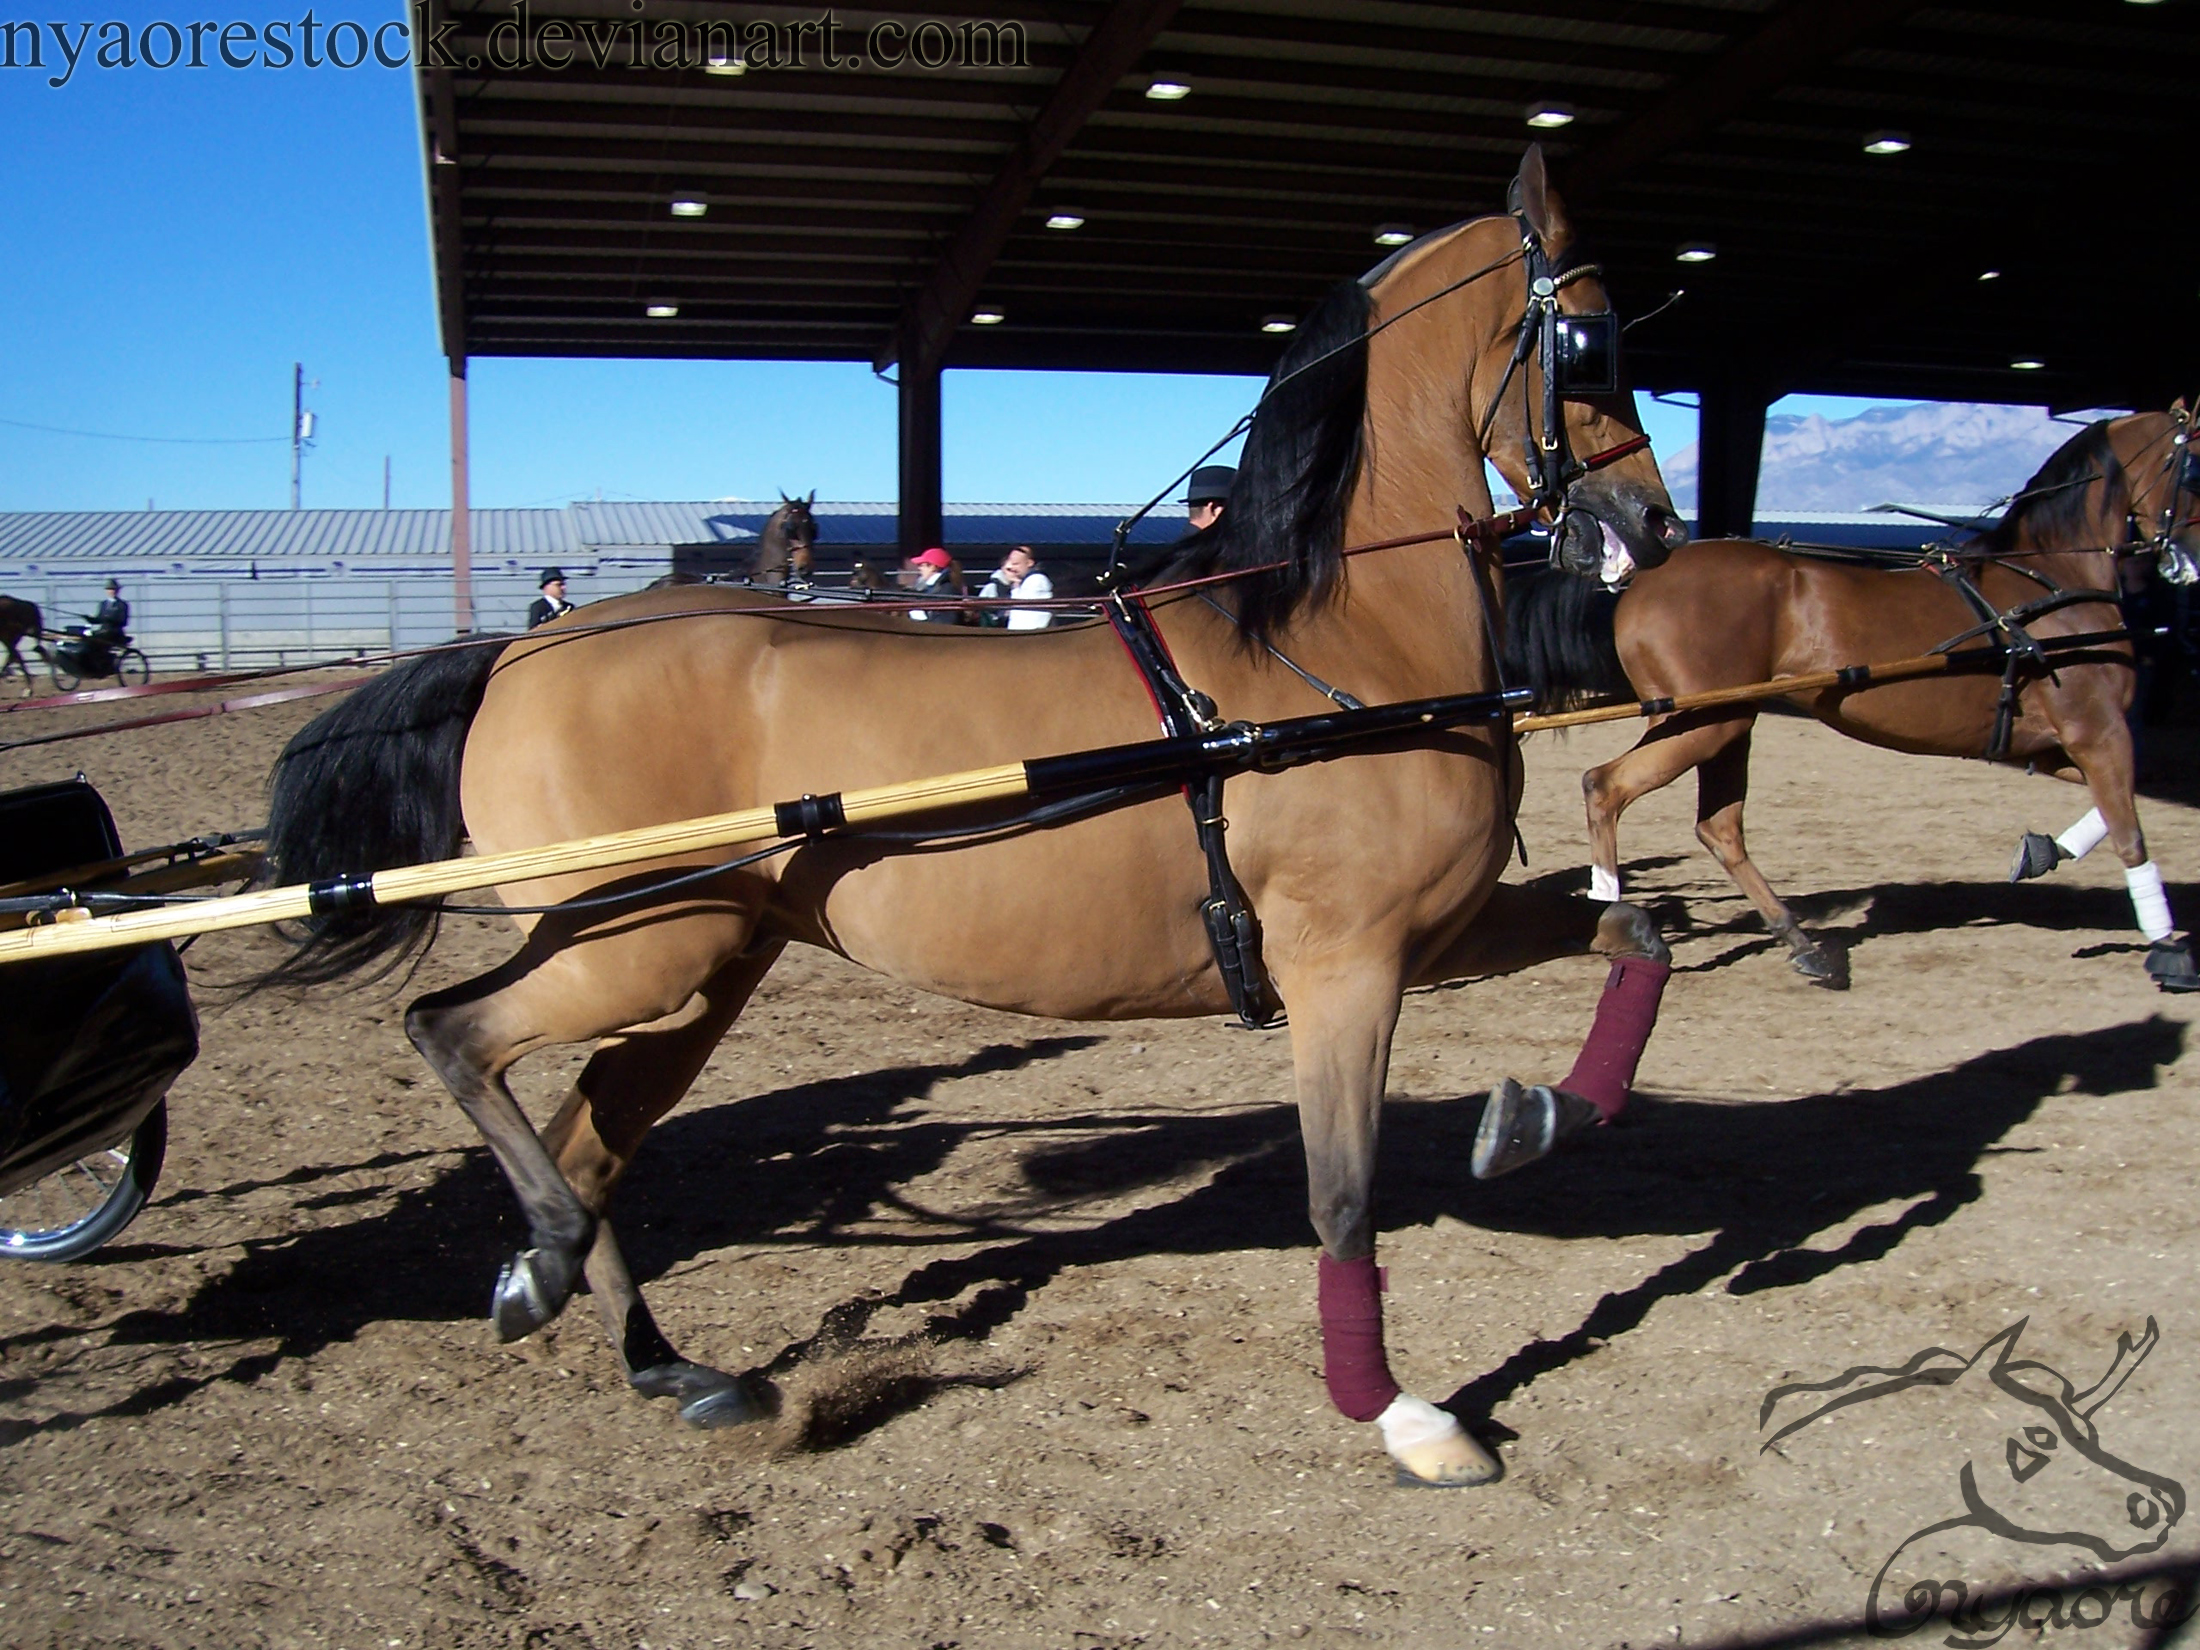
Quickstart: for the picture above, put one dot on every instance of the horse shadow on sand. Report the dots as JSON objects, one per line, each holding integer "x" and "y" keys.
{"x": 1758, "y": 1185}
{"x": 1849, "y": 918}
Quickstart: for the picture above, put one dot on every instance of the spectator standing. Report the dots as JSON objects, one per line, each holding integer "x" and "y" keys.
{"x": 1019, "y": 577}
{"x": 931, "y": 570}
{"x": 551, "y": 604}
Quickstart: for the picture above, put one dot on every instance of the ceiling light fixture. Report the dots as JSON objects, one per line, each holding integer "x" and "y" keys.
{"x": 1695, "y": 252}
{"x": 987, "y": 317}
{"x": 689, "y": 208}
{"x": 1393, "y": 234}
{"x": 2025, "y": 363}
{"x": 662, "y": 312}
{"x": 1278, "y": 323}
{"x": 1989, "y": 275}
{"x": 1168, "y": 89}
{"x": 726, "y": 65}
{"x": 1065, "y": 219}
{"x": 1886, "y": 143}
{"x": 1549, "y": 114}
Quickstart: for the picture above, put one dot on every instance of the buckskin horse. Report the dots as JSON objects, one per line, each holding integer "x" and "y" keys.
{"x": 1726, "y": 612}
{"x": 1368, "y": 874}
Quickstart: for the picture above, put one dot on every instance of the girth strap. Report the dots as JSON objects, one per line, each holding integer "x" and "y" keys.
{"x": 1233, "y": 931}
{"x": 2005, "y": 628}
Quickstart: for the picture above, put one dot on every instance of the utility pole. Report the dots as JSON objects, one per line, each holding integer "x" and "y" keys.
{"x": 297, "y": 424}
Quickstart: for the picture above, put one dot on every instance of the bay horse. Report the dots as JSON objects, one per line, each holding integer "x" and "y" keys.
{"x": 18, "y": 619}
{"x": 1367, "y": 874}
{"x": 783, "y": 549}
{"x": 1727, "y": 612}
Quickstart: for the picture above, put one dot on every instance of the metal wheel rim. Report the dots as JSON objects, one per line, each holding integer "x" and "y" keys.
{"x": 106, "y": 1175}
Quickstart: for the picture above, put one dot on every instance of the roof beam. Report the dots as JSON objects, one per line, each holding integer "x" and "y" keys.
{"x": 1110, "y": 51}
{"x": 1800, "y": 38}
{"x": 439, "y": 103}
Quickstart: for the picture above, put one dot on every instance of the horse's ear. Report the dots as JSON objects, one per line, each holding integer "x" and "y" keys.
{"x": 783, "y": 498}
{"x": 1534, "y": 198}
{"x": 812, "y": 499}
{"x": 1992, "y": 1358}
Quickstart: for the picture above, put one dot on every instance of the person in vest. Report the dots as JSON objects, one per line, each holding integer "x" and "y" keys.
{"x": 1019, "y": 576}
{"x": 551, "y": 604}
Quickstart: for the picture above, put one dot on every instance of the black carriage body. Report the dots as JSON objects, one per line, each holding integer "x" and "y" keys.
{"x": 88, "y": 1044}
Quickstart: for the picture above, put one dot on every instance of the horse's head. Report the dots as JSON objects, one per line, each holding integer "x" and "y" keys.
{"x": 1558, "y": 418}
{"x": 2160, "y": 465}
{"x": 2031, "y": 1467}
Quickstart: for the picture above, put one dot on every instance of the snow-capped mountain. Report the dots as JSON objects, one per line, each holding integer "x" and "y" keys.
{"x": 1938, "y": 452}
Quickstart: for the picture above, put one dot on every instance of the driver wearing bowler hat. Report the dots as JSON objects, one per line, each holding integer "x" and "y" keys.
{"x": 1207, "y": 494}
{"x": 551, "y": 604}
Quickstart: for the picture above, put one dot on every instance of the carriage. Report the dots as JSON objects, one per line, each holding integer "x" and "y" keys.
{"x": 88, "y": 1048}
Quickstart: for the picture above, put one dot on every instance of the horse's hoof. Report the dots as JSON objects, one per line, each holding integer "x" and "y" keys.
{"x": 729, "y": 1406}
{"x": 1520, "y": 1125}
{"x": 1821, "y": 963}
{"x": 2037, "y": 854}
{"x": 527, "y": 1295}
{"x": 1456, "y": 1462}
{"x": 2170, "y": 964}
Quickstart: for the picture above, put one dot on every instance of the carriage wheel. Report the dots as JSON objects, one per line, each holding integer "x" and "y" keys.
{"x": 131, "y": 670}
{"x": 65, "y": 680}
{"x": 74, "y": 1210}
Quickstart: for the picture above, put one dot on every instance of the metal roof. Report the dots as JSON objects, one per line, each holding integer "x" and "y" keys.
{"x": 862, "y": 212}
{"x": 201, "y": 539}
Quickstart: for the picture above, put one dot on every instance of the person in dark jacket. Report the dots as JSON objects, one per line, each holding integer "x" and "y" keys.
{"x": 1206, "y": 495}
{"x": 111, "y": 624}
{"x": 551, "y": 604}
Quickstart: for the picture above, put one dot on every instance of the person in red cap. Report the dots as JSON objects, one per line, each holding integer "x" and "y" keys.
{"x": 934, "y": 570}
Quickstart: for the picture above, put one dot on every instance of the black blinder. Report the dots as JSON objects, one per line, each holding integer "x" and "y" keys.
{"x": 1587, "y": 354}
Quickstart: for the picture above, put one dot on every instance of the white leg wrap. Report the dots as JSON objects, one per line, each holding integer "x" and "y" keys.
{"x": 2085, "y": 836}
{"x": 1603, "y": 884}
{"x": 2148, "y": 900}
{"x": 1410, "y": 1422}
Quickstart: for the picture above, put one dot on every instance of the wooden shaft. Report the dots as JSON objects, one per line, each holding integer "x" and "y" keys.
{"x": 448, "y": 876}
{"x": 1925, "y": 664}
{"x": 205, "y": 872}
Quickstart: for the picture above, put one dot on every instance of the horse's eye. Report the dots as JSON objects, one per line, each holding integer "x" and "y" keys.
{"x": 2040, "y": 1437}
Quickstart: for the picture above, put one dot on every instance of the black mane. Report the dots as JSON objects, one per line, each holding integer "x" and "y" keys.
{"x": 2054, "y": 510}
{"x": 1559, "y": 639}
{"x": 1301, "y": 462}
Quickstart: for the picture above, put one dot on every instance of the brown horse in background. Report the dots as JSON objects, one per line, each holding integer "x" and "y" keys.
{"x": 1726, "y": 612}
{"x": 18, "y": 619}
{"x": 783, "y": 549}
{"x": 1368, "y": 874}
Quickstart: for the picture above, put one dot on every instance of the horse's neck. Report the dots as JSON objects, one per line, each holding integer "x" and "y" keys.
{"x": 2086, "y": 564}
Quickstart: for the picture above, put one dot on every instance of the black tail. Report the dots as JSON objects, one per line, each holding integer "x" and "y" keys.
{"x": 1558, "y": 639}
{"x": 367, "y": 786}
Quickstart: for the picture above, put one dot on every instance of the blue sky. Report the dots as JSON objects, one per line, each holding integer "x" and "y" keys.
{"x": 176, "y": 239}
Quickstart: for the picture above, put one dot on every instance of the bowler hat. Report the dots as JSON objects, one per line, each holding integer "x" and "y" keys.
{"x": 1210, "y": 484}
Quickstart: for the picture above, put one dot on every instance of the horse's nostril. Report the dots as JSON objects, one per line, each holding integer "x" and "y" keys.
{"x": 1668, "y": 528}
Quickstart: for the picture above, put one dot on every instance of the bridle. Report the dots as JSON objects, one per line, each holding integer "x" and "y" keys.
{"x": 2181, "y": 470}
{"x": 1578, "y": 357}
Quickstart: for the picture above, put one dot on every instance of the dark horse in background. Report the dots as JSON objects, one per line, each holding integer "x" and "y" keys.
{"x": 1368, "y": 874}
{"x": 19, "y": 619}
{"x": 1725, "y": 612}
{"x": 783, "y": 549}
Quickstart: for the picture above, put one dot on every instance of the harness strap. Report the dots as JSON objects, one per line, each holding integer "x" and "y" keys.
{"x": 1233, "y": 931}
{"x": 2005, "y": 629}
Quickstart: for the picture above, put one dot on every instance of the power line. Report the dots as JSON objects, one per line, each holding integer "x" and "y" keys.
{"x": 162, "y": 440}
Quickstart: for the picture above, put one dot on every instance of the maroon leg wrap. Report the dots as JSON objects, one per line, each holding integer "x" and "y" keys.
{"x": 1626, "y": 1014}
{"x": 1352, "y": 1338}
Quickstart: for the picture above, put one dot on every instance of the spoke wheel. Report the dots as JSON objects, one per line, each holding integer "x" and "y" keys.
{"x": 66, "y": 680}
{"x": 131, "y": 670}
{"x": 74, "y": 1210}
